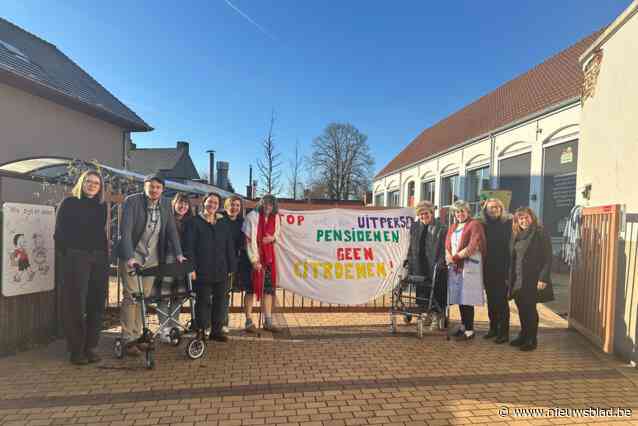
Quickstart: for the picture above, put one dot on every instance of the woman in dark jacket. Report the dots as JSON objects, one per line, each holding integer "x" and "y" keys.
{"x": 209, "y": 245}
{"x": 240, "y": 278}
{"x": 80, "y": 237}
{"x": 171, "y": 307}
{"x": 427, "y": 249}
{"x": 498, "y": 233}
{"x": 530, "y": 274}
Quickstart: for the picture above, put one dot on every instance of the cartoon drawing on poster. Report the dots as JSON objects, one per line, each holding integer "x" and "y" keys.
{"x": 27, "y": 249}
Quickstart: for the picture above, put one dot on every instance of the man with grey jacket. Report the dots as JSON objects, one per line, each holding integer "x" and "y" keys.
{"x": 146, "y": 229}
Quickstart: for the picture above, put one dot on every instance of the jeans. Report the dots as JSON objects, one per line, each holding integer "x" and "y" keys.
{"x": 130, "y": 311}
{"x": 84, "y": 290}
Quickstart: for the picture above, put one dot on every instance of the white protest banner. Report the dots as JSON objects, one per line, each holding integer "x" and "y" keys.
{"x": 342, "y": 256}
{"x": 28, "y": 249}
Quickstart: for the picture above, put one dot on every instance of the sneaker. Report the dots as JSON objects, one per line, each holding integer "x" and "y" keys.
{"x": 459, "y": 332}
{"x": 225, "y": 330}
{"x": 528, "y": 346}
{"x": 92, "y": 356}
{"x": 250, "y": 327}
{"x": 79, "y": 359}
{"x": 467, "y": 335}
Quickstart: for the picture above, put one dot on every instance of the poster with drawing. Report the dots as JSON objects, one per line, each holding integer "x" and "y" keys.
{"x": 27, "y": 249}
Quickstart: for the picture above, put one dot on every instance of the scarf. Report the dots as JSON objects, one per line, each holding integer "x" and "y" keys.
{"x": 266, "y": 254}
{"x": 471, "y": 235}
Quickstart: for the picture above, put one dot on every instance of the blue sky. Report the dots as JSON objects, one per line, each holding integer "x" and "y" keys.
{"x": 210, "y": 73}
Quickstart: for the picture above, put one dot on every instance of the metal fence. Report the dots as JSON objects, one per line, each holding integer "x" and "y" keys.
{"x": 286, "y": 301}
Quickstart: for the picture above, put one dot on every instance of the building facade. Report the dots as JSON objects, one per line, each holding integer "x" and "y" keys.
{"x": 521, "y": 137}
{"x": 607, "y": 163}
{"x": 49, "y": 106}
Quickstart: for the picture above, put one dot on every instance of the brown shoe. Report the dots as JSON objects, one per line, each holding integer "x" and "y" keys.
{"x": 133, "y": 350}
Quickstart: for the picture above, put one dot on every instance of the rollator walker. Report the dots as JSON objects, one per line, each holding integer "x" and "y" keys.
{"x": 196, "y": 346}
{"x": 426, "y": 309}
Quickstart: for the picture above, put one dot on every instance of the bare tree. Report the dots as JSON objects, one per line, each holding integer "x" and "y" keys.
{"x": 268, "y": 167}
{"x": 341, "y": 162}
{"x": 295, "y": 184}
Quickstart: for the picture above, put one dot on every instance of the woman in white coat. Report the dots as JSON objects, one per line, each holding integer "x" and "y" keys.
{"x": 465, "y": 251}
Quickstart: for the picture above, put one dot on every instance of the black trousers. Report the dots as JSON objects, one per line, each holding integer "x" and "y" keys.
{"x": 207, "y": 310}
{"x": 467, "y": 316}
{"x": 228, "y": 295}
{"x": 440, "y": 296}
{"x": 498, "y": 309}
{"x": 528, "y": 315}
{"x": 84, "y": 291}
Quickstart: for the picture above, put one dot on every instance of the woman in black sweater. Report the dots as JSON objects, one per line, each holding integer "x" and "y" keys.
{"x": 208, "y": 243}
{"x": 80, "y": 237}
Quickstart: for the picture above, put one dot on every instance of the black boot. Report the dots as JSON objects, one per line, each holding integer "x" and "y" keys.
{"x": 79, "y": 359}
{"x": 92, "y": 356}
{"x": 529, "y": 345}
{"x": 501, "y": 339}
{"x": 490, "y": 334}
{"x": 519, "y": 341}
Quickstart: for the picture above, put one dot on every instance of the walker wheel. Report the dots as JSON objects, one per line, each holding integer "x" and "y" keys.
{"x": 195, "y": 348}
{"x": 407, "y": 318}
{"x": 175, "y": 336}
{"x": 149, "y": 359}
{"x": 118, "y": 349}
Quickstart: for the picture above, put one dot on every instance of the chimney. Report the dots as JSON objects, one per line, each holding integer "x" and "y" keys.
{"x": 182, "y": 146}
{"x": 222, "y": 174}
{"x": 249, "y": 187}
{"x": 211, "y": 167}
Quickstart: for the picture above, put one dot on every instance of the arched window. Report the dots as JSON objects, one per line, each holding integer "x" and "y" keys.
{"x": 410, "y": 194}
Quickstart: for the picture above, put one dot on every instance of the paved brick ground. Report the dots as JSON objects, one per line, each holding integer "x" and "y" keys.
{"x": 325, "y": 369}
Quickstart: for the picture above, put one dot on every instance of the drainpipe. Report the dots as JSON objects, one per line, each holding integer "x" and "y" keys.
{"x": 124, "y": 150}
{"x": 493, "y": 177}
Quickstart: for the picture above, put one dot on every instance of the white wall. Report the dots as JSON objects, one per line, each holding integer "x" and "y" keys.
{"x": 610, "y": 123}
{"x": 555, "y": 127}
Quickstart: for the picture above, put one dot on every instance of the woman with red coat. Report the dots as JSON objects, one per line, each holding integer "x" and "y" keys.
{"x": 465, "y": 251}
